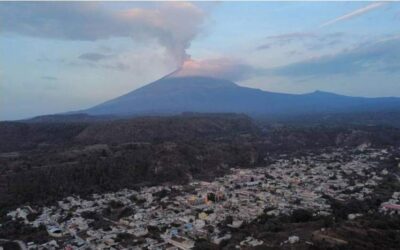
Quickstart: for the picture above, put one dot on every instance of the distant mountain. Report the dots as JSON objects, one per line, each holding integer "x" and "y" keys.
{"x": 173, "y": 95}
{"x": 70, "y": 118}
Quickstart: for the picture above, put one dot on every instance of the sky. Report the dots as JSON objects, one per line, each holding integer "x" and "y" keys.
{"x": 57, "y": 57}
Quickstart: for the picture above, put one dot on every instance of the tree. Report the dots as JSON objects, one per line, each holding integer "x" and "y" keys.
{"x": 301, "y": 215}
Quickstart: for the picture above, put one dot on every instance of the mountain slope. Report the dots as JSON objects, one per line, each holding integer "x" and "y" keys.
{"x": 173, "y": 95}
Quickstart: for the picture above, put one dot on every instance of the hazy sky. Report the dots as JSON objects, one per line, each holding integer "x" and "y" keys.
{"x": 57, "y": 57}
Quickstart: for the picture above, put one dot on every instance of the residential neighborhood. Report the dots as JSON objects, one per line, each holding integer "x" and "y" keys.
{"x": 176, "y": 216}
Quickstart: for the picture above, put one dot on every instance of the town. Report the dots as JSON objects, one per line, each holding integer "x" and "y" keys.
{"x": 177, "y": 216}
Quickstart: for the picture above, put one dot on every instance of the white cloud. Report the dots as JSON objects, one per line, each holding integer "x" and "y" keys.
{"x": 355, "y": 13}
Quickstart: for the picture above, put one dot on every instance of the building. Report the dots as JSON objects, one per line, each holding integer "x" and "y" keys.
{"x": 181, "y": 242}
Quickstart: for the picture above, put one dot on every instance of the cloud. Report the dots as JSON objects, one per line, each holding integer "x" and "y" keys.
{"x": 94, "y": 56}
{"x": 264, "y": 46}
{"x": 49, "y": 78}
{"x": 172, "y": 24}
{"x": 327, "y": 40}
{"x": 116, "y": 66}
{"x": 284, "y": 39}
{"x": 224, "y": 68}
{"x": 292, "y": 36}
{"x": 89, "y": 60}
{"x": 383, "y": 55}
{"x": 311, "y": 40}
{"x": 355, "y": 13}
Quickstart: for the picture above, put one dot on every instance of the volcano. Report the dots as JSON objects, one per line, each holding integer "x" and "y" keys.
{"x": 175, "y": 95}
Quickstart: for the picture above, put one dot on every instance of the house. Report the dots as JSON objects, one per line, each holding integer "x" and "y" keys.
{"x": 236, "y": 224}
{"x": 139, "y": 232}
{"x": 393, "y": 207}
{"x": 218, "y": 240}
{"x": 195, "y": 201}
{"x": 181, "y": 242}
{"x": 54, "y": 231}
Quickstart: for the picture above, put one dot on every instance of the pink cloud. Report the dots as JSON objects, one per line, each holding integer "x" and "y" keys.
{"x": 225, "y": 68}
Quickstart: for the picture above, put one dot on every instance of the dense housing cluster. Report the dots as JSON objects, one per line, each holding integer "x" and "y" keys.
{"x": 177, "y": 216}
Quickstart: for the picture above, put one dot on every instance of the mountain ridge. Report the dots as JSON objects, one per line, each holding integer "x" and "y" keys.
{"x": 175, "y": 95}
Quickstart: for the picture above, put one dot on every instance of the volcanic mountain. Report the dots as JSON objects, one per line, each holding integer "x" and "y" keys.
{"x": 174, "y": 95}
